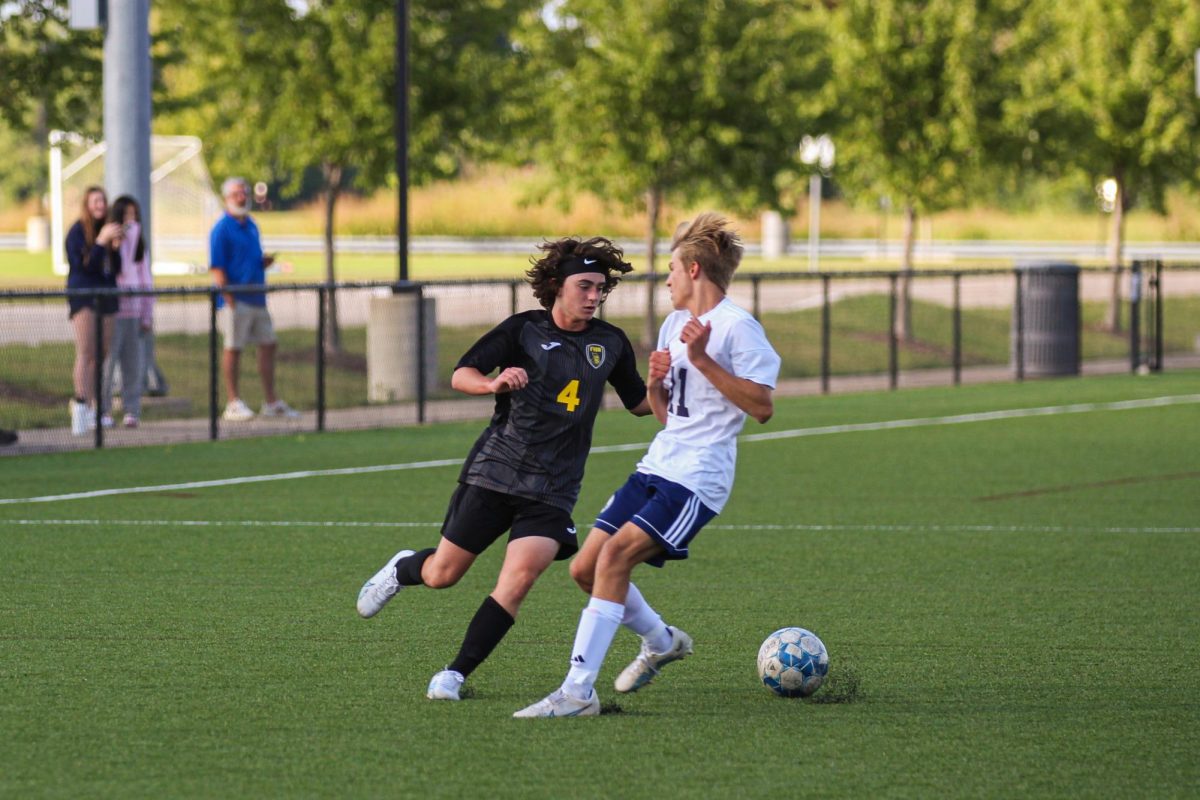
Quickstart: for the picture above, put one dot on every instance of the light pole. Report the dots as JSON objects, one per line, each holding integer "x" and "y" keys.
{"x": 401, "y": 119}
{"x": 816, "y": 152}
{"x": 126, "y": 95}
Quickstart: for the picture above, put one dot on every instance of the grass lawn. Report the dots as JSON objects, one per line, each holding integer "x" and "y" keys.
{"x": 31, "y": 377}
{"x": 1010, "y": 606}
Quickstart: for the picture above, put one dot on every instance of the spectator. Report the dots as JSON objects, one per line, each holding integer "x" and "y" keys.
{"x": 236, "y": 259}
{"x": 135, "y": 314}
{"x": 94, "y": 264}
{"x": 156, "y": 381}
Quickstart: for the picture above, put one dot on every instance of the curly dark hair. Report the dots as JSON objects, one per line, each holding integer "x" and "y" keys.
{"x": 545, "y": 276}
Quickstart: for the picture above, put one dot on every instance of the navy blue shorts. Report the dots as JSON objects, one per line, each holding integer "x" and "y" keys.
{"x": 670, "y": 513}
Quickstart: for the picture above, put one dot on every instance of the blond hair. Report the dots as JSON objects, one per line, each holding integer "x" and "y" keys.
{"x": 709, "y": 241}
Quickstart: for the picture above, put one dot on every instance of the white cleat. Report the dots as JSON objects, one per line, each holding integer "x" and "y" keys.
{"x": 381, "y": 588}
{"x": 648, "y": 664}
{"x": 561, "y": 704}
{"x": 445, "y": 685}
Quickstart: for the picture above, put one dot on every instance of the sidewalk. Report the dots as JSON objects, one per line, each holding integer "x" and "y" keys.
{"x": 369, "y": 417}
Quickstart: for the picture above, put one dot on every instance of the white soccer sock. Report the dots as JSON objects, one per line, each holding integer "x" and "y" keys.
{"x": 597, "y": 626}
{"x": 645, "y": 621}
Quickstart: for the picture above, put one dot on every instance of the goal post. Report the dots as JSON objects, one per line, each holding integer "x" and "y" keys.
{"x": 183, "y": 205}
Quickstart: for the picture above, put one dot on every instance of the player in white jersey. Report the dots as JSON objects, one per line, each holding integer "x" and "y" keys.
{"x": 713, "y": 367}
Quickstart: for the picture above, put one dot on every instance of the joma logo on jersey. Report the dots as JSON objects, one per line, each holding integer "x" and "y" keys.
{"x": 595, "y": 355}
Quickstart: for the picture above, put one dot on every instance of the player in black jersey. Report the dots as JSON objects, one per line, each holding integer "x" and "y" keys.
{"x": 523, "y": 473}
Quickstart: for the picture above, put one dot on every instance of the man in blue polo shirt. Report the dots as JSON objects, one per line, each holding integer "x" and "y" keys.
{"x": 236, "y": 259}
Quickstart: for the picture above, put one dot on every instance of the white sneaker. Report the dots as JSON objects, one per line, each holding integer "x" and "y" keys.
{"x": 80, "y": 416}
{"x": 237, "y": 411}
{"x": 445, "y": 685}
{"x": 381, "y": 588}
{"x": 106, "y": 420}
{"x": 279, "y": 409}
{"x": 560, "y": 704}
{"x": 648, "y": 663}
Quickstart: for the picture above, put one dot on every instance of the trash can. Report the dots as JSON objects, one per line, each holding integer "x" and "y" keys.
{"x": 1045, "y": 323}
{"x": 392, "y": 351}
{"x": 37, "y": 234}
{"x": 774, "y": 235}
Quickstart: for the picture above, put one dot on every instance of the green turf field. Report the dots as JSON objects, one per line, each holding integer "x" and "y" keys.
{"x": 1011, "y": 607}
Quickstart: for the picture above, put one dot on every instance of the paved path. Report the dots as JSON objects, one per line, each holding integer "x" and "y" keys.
{"x": 188, "y": 430}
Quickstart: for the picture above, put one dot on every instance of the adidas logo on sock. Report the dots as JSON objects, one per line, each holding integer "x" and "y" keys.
{"x": 578, "y": 660}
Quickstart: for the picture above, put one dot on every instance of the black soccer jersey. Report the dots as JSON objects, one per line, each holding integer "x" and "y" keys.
{"x": 539, "y": 437}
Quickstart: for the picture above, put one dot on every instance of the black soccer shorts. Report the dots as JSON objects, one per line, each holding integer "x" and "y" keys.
{"x": 477, "y": 517}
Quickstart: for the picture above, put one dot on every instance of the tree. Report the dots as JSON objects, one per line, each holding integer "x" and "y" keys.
{"x": 283, "y": 91}
{"x": 50, "y": 77}
{"x": 917, "y": 102}
{"x": 651, "y": 100}
{"x": 1109, "y": 91}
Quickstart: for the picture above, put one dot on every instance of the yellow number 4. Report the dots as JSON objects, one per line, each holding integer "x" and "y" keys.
{"x": 569, "y": 396}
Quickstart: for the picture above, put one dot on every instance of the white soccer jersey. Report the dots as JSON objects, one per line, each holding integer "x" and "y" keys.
{"x": 698, "y": 447}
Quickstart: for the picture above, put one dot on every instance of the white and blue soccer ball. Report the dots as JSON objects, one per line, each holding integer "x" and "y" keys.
{"x": 793, "y": 662}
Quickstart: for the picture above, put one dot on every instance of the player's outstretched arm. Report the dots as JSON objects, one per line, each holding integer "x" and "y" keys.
{"x": 753, "y": 398}
{"x": 469, "y": 380}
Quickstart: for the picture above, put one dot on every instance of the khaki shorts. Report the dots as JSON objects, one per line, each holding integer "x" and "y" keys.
{"x": 245, "y": 324}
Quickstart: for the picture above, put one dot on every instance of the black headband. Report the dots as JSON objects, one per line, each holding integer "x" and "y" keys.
{"x": 576, "y": 265}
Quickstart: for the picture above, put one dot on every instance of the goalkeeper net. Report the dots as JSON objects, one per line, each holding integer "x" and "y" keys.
{"x": 183, "y": 205}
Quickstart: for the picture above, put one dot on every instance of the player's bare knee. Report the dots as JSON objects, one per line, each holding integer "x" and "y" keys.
{"x": 436, "y": 576}
{"x": 516, "y": 584}
{"x": 615, "y": 560}
{"x": 510, "y": 598}
{"x": 583, "y": 574}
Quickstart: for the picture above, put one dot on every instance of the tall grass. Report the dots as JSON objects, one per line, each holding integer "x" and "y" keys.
{"x": 501, "y": 202}
{"x": 496, "y": 201}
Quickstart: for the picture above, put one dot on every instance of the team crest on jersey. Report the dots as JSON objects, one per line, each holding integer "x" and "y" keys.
{"x": 595, "y": 355}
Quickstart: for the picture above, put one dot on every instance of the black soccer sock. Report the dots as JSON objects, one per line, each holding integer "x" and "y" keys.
{"x": 489, "y": 625}
{"x": 408, "y": 569}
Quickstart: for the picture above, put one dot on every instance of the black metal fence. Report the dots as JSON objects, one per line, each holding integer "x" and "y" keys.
{"x": 833, "y": 329}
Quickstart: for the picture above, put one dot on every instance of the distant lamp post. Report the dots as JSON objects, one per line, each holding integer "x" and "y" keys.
{"x": 818, "y": 152}
{"x": 1106, "y": 193}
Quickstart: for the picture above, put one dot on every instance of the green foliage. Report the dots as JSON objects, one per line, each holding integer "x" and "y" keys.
{"x": 470, "y": 86}
{"x": 49, "y": 74}
{"x": 279, "y": 92}
{"x": 24, "y": 173}
{"x": 49, "y": 79}
{"x": 916, "y": 91}
{"x": 1107, "y": 89}
{"x": 682, "y": 98}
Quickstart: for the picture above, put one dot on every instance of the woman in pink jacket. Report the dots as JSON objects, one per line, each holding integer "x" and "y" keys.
{"x": 135, "y": 316}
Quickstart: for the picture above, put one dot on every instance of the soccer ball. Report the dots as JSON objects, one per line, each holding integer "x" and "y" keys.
{"x": 792, "y": 662}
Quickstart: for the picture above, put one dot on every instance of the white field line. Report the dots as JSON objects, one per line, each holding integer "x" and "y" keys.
{"x": 986, "y": 416}
{"x": 815, "y": 528}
